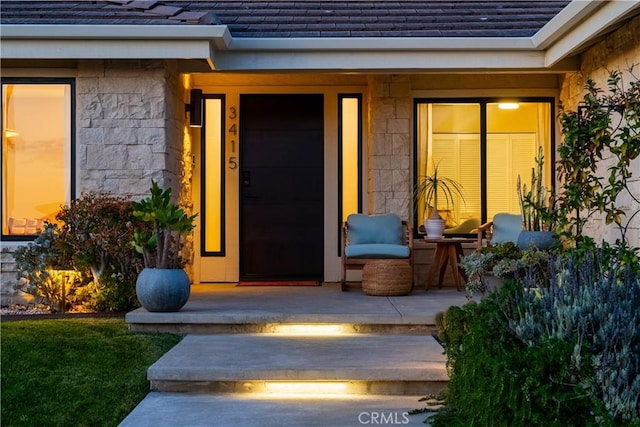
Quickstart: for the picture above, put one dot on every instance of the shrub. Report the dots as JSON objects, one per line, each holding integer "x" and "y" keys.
{"x": 94, "y": 237}
{"x": 504, "y": 260}
{"x": 497, "y": 380}
{"x": 98, "y": 229}
{"x": 40, "y": 265}
{"x": 593, "y": 302}
{"x": 563, "y": 354}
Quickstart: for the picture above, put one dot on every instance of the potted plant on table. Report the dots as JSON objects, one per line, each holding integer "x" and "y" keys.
{"x": 429, "y": 188}
{"x": 163, "y": 285}
{"x": 539, "y": 216}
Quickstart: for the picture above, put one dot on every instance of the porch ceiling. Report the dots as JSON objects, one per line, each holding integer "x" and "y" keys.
{"x": 323, "y": 36}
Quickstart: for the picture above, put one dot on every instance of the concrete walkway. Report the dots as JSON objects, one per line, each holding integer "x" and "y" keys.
{"x": 237, "y": 369}
{"x": 208, "y": 410}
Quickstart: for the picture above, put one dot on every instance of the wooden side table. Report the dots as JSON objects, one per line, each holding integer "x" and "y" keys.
{"x": 448, "y": 251}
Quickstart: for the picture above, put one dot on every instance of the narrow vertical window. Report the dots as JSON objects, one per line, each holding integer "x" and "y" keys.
{"x": 37, "y": 153}
{"x": 213, "y": 176}
{"x": 349, "y": 162}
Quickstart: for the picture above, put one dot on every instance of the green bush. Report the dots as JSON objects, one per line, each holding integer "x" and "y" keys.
{"x": 593, "y": 302}
{"x": 94, "y": 237}
{"x": 567, "y": 353}
{"x": 496, "y": 380}
{"x": 39, "y": 265}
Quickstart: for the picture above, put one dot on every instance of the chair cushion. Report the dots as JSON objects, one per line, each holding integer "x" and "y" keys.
{"x": 377, "y": 250}
{"x": 365, "y": 229}
{"x": 506, "y": 228}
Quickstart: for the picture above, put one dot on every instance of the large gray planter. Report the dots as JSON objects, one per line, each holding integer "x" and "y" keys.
{"x": 543, "y": 240}
{"x": 163, "y": 289}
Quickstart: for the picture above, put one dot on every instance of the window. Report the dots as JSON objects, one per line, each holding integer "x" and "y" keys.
{"x": 484, "y": 145}
{"x": 349, "y": 157}
{"x": 37, "y": 153}
{"x": 213, "y": 236}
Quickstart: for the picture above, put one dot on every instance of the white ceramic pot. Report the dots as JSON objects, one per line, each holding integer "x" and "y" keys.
{"x": 434, "y": 228}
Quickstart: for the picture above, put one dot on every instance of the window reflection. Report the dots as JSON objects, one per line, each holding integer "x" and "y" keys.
{"x": 457, "y": 136}
{"x": 36, "y": 154}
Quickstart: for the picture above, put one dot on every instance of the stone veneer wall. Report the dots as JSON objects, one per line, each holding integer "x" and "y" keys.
{"x": 128, "y": 126}
{"x": 389, "y": 137}
{"x": 130, "y": 129}
{"x": 618, "y": 51}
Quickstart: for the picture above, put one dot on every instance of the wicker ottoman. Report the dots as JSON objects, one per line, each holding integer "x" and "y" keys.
{"x": 387, "y": 277}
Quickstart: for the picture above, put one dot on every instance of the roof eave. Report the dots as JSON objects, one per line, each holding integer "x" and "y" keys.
{"x": 579, "y": 25}
{"x": 113, "y": 41}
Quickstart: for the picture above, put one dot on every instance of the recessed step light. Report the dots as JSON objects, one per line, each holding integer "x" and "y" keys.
{"x": 305, "y": 388}
{"x": 301, "y": 329}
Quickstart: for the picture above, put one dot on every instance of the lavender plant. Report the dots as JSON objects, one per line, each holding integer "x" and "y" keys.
{"x": 592, "y": 301}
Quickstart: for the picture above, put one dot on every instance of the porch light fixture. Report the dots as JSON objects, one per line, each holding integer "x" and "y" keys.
{"x": 194, "y": 108}
{"x": 508, "y": 105}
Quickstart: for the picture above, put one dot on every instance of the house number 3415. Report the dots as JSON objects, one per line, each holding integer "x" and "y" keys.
{"x": 232, "y": 130}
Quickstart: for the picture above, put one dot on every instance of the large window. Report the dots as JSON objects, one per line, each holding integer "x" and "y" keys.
{"x": 484, "y": 145}
{"x": 37, "y": 153}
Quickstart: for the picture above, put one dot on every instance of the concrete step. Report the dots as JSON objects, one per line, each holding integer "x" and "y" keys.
{"x": 229, "y": 309}
{"x": 261, "y": 363}
{"x": 199, "y": 410}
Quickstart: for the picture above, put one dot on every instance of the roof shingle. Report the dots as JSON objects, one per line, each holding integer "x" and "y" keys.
{"x": 300, "y": 18}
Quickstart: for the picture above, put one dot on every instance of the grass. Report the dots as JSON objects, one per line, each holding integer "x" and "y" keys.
{"x": 80, "y": 372}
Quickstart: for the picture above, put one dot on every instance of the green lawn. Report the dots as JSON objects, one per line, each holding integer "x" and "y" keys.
{"x": 74, "y": 372}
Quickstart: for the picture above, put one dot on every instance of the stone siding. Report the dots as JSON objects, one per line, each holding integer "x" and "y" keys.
{"x": 130, "y": 130}
{"x": 389, "y": 137}
{"x": 618, "y": 51}
{"x": 127, "y": 129}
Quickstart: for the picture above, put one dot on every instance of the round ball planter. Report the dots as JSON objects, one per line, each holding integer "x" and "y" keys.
{"x": 543, "y": 240}
{"x": 163, "y": 289}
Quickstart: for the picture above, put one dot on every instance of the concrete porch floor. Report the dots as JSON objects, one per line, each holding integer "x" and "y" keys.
{"x": 227, "y": 308}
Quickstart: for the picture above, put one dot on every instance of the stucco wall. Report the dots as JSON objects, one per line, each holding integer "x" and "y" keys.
{"x": 618, "y": 51}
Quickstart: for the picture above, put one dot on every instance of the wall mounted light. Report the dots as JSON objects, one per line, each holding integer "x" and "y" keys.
{"x": 194, "y": 108}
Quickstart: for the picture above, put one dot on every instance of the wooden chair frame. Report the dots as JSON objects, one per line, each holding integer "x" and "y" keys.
{"x": 484, "y": 232}
{"x": 349, "y": 263}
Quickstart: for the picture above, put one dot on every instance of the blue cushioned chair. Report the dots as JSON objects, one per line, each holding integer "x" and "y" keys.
{"x": 367, "y": 237}
{"x": 504, "y": 228}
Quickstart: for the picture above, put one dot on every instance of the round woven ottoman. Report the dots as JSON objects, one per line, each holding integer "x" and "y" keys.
{"x": 386, "y": 277}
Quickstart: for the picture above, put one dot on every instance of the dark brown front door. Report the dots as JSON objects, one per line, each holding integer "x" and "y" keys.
{"x": 281, "y": 187}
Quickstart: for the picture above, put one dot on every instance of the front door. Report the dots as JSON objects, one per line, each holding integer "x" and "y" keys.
{"x": 281, "y": 187}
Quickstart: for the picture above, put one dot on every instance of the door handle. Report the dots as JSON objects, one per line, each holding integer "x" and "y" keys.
{"x": 246, "y": 179}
